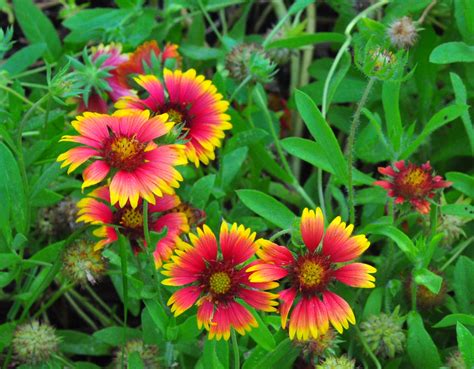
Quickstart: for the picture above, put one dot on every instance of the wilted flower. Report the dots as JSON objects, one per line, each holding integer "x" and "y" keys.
{"x": 216, "y": 278}
{"x": 310, "y": 274}
{"x": 94, "y": 209}
{"x": 456, "y": 361}
{"x": 402, "y": 33}
{"x": 123, "y": 145}
{"x": 250, "y": 60}
{"x": 59, "y": 220}
{"x": 34, "y": 342}
{"x": 192, "y": 102}
{"x": 148, "y": 354}
{"x": 384, "y": 334}
{"x": 144, "y": 60}
{"x": 413, "y": 183}
{"x": 342, "y": 362}
{"x": 82, "y": 263}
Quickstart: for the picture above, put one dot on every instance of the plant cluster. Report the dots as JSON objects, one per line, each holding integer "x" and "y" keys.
{"x": 237, "y": 184}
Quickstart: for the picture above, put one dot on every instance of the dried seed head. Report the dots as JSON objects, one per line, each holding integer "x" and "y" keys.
{"x": 402, "y": 33}
{"x": 456, "y": 361}
{"x": 148, "y": 354}
{"x": 384, "y": 334}
{"x": 322, "y": 346}
{"x": 82, "y": 263}
{"x": 34, "y": 343}
{"x": 425, "y": 299}
{"x": 59, "y": 221}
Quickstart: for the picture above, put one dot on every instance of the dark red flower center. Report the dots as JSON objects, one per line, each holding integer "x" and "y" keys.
{"x": 195, "y": 216}
{"x": 311, "y": 273}
{"x": 124, "y": 153}
{"x": 221, "y": 280}
{"x": 413, "y": 182}
{"x": 178, "y": 114}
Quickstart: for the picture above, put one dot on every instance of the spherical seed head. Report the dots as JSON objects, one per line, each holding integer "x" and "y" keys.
{"x": 321, "y": 346}
{"x": 384, "y": 334}
{"x": 452, "y": 227}
{"x": 82, "y": 263}
{"x": 342, "y": 362}
{"x": 34, "y": 342}
{"x": 59, "y": 220}
{"x": 425, "y": 299}
{"x": 280, "y": 55}
{"x": 456, "y": 361}
{"x": 148, "y": 354}
{"x": 250, "y": 60}
{"x": 402, "y": 33}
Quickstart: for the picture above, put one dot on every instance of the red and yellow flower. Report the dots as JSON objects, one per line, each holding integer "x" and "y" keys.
{"x": 191, "y": 100}
{"x": 144, "y": 55}
{"x": 122, "y": 144}
{"x": 216, "y": 280}
{"x": 95, "y": 209}
{"x": 308, "y": 275}
{"x": 412, "y": 183}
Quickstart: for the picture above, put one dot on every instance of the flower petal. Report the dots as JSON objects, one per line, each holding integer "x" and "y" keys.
{"x": 312, "y": 228}
{"x": 356, "y": 275}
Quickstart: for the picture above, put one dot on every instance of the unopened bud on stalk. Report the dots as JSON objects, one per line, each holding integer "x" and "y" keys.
{"x": 34, "y": 343}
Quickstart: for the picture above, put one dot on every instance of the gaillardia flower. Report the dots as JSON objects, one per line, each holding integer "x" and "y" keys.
{"x": 94, "y": 209}
{"x": 143, "y": 57}
{"x": 122, "y": 144}
{"x": 216, "y": 280}
{"x": 308, "y": 275}
{"x": 190, "y": 100}
{"x": 412, "y": 183}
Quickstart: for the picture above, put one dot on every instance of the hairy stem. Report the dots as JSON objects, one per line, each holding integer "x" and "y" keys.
{"x": 350, "y": 146}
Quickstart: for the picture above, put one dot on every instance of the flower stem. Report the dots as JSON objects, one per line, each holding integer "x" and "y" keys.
{"x": 286, "y": 166}
{"x": 211, "y": 23}
{"x": 466, "y": 243}
{"x": 239, "y": 87}
{"x": 279, "y": 234}
{"x": 367, "y": 348}
{"x": 105, "y": 320}
{"x": 80, "y": 312}
{"x": 235, "y": 348}
{"x": 65, "y": 288}
{"x": 102, "y": 303}
{"x": 350, "y": 146}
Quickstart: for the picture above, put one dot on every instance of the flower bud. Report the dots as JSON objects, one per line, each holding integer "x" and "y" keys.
{"x": 341, "y": 362}
{"x": 402, "y": 33}
{"x": 250, "y": 60}
{"x": 384, "y": 334}
{"x": 82, "y": 263}
{"x": 321, "y": 346}
{"x": 148, "y": 354}
{"x": 425, "y": 299}
{"x": 34, "y": 343}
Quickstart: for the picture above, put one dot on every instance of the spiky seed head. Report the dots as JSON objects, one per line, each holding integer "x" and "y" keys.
{"x": 342, "y": 362}
{"x": 384, "y": 334}
{"x": 322, "y": 346}
{"x": 34, "y": 342}
{"x": 456, "y": 361}
{"x": 82, "y": 263}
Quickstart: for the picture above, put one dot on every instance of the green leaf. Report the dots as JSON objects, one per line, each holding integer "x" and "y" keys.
{"x": 373, "y": 305}
{"x": 267, "y": 207}
{"x": 78, "y": 343}
{"x": 158, "y": 314}
{"x": 231, "y": 164}
{"x": 428, "y": 279}
{"x": 453, "y": 319}
{"x": 460, "y": 210}
{"x": 210, "y": 358}
{"x": 200, "y": 52}
{"x": 12, "y": 194}
{"x": 299, "y": 5}
{"x": 452, "y": 52}
{"x": 261, "y": 359}
{"x": 322, "y": 133}
{"x": 48, "y": 175}
{"x": 49, "y": 254}
{"x": 295, "y": 42}
{"x": 22, "y": 59}
{"x": 461, "y": 98}
{"x": 465, "y": 344}
{"x": 261, "y": 334}
{"x": 6, "y": 334}
{"x": 307, "y": 150}
{"x": 420, "y": 346}
{"x": 391, "y": 107}
{"x": 8, "y": 259}
{"x": 441, "y": 118}
{"x": 464, "y": 15}
{"x": 114, "y": 335}
{"x": 463, "y": 284}
{"x": 403, "y": 242}
{"x": 201, "y": 191}
{"x": 37, "y": 27}
{"x": 462, "y": 182}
